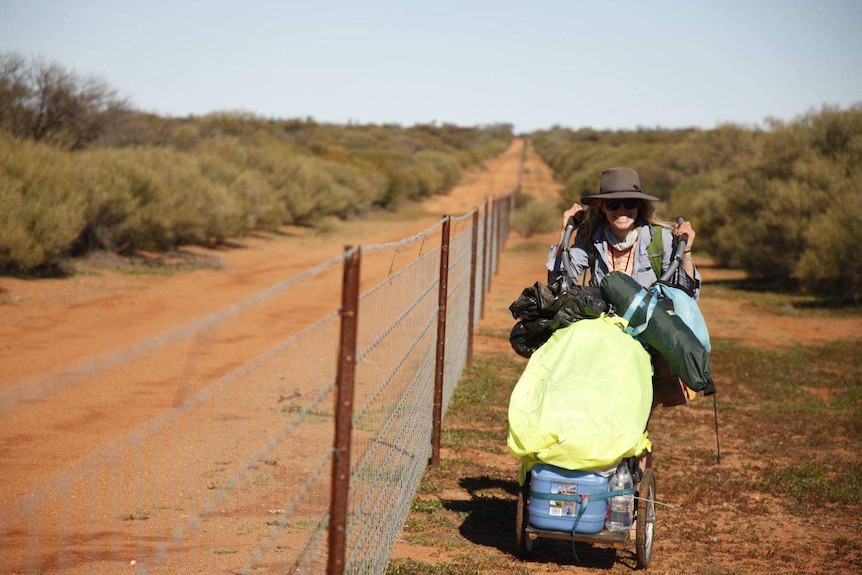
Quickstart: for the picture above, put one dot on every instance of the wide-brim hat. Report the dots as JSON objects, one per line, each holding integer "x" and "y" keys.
{"x": 619, "y": 183}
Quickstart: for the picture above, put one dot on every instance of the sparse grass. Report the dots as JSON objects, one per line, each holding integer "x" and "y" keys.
{"x": 791, "y": 440}
{"x": 814, "y": 483}
{"x": 476, "y": 420}
{"x": 531, "y": 249}
{"x": 411, "y": 567}
{"x": 483, "y": 391}
{"x": 787, "y": 301}
{"x": 810, "y": 390}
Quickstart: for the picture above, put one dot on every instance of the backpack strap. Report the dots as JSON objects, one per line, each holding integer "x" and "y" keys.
{"x": 655, "y": 250}
{"x": 592, "y": 256}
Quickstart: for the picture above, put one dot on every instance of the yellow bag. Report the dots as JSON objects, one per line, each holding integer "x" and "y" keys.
{"x": 583, "y": 400}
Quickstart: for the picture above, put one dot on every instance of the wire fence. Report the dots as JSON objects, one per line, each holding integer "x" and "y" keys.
{"x": 302, "y": 460}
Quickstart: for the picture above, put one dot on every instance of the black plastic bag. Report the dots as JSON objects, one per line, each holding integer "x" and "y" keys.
{"x": 542, "y": 309}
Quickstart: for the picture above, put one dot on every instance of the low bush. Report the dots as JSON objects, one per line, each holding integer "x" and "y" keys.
{"x": 43, "y": 208}
{"x": 140, "y": 181}
{"x": 535, "y": 217}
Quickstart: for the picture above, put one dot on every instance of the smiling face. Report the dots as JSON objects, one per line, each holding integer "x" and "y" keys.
{"x": 621, "y": 215}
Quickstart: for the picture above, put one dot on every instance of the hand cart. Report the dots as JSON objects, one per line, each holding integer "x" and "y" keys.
{"x": 643, "y": 524}
{"x": 644, "y": 516}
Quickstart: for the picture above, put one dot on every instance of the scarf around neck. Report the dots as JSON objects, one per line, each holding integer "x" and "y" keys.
{"x": 621, "y": 245}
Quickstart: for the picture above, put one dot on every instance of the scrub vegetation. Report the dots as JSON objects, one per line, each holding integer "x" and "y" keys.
{"x": 81, "y": 171}
{"x": 782, "y": 203}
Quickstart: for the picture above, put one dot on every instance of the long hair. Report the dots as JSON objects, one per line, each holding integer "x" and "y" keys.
{"x": 594, "y": 219}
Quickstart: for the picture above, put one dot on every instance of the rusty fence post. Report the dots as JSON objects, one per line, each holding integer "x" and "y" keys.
{"x": 443, "y": 293}
{"x": 486, "y": 257}
{"x": 498, "y": 226}
{"x": 345, "y": 380}
{"x": 495, "y": 235}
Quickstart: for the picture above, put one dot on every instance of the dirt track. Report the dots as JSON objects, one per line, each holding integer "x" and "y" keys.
{"x": 48, "y": 327}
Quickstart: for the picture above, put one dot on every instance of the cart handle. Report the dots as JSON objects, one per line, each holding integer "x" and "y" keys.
{"x": 680, "y": 251}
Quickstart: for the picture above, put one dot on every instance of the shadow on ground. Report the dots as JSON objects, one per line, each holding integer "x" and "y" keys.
{"x": 490, "y": 522}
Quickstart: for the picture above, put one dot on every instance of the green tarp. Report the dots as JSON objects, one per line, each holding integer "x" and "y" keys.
{"x": 659, "y": 326}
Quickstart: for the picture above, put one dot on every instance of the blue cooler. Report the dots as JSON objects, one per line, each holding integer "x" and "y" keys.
{"x": 559, "y": 515}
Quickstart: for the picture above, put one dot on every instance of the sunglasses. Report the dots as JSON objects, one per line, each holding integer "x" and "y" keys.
{"x": 613, "y": 205}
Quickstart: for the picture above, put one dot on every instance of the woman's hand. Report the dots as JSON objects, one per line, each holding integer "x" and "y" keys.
{"x": 572, "y": 213}
{"x": 685, "y": 228}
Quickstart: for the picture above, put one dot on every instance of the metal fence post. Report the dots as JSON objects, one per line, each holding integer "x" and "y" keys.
{"x": 443, "y": 292}
{"x": 345, "y": 379}
{"x": 473, "y": 258}
{"x": 486, "y": 260}
{"x": 498, "y": 227}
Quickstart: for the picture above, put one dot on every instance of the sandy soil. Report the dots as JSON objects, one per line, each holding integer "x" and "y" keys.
{"x": 53, "y": 332}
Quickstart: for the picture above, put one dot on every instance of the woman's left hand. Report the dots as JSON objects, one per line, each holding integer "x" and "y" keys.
{"x": 685, "y": 228}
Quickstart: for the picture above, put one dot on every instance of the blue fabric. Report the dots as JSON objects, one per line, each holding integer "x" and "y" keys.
{"x": 638, "y": 302}
{"x": 688, "y": 311}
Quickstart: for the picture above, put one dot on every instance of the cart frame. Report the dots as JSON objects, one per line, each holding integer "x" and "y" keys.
{"x": 643, "y": 524}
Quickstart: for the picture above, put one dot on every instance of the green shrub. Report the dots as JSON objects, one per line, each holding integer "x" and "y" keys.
{"x": 259, "y": 205}
{"x": 143, "y": 182}
{"x": 830, "y": 266}
{"x": 536, "y": 217}
{"x": 110, "y": 204}
{"x": 445, "y": 164}
{"x": 169, "y": 201}
{"x": 428, "y": 181}
{"x": 42, "y": 205}
{"x": 355, "y": 189}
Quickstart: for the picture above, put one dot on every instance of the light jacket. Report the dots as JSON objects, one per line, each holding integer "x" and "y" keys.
{"x": 643, "y": 272}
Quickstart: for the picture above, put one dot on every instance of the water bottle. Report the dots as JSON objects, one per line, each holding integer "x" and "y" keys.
{"x": 621, "y": 506}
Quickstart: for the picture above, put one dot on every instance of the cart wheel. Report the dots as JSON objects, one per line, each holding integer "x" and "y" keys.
{"x": 645, "y": 509}
{"x": 523, "y": 544}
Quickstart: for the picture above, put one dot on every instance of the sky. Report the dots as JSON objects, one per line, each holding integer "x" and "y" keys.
{"x": 533, "y": 63}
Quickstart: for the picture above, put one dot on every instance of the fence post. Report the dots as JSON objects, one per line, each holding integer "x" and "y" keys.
{"x": 511, "y": 213}
{"x": 443, "y": 293}
{"x": 486, "y": 247}
{"x": 473, "y": 257}
{"x": 498, "y": 227}
{"x": 345, "y": 379}
{"x": 504, "y": 224}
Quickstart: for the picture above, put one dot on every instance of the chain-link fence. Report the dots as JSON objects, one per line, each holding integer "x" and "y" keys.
{"x": 237, "y": 475}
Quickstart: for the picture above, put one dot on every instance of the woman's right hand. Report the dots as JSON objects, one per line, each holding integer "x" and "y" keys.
{"x": 573, "y": 212}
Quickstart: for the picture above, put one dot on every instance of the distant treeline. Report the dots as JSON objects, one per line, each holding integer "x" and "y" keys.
{"x": 783, "y": 202}
{"x": 80, "y": 170}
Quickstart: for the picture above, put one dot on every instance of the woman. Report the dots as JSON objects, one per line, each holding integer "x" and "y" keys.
{"x": 615, "y": 234}
{"x": 616, "y": 231}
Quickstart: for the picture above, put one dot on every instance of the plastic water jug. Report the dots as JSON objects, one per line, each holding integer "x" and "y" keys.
{"x": 559, "y": 515}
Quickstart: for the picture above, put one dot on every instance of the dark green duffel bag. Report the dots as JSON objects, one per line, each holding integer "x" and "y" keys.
{"x": 652, "y": 319}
